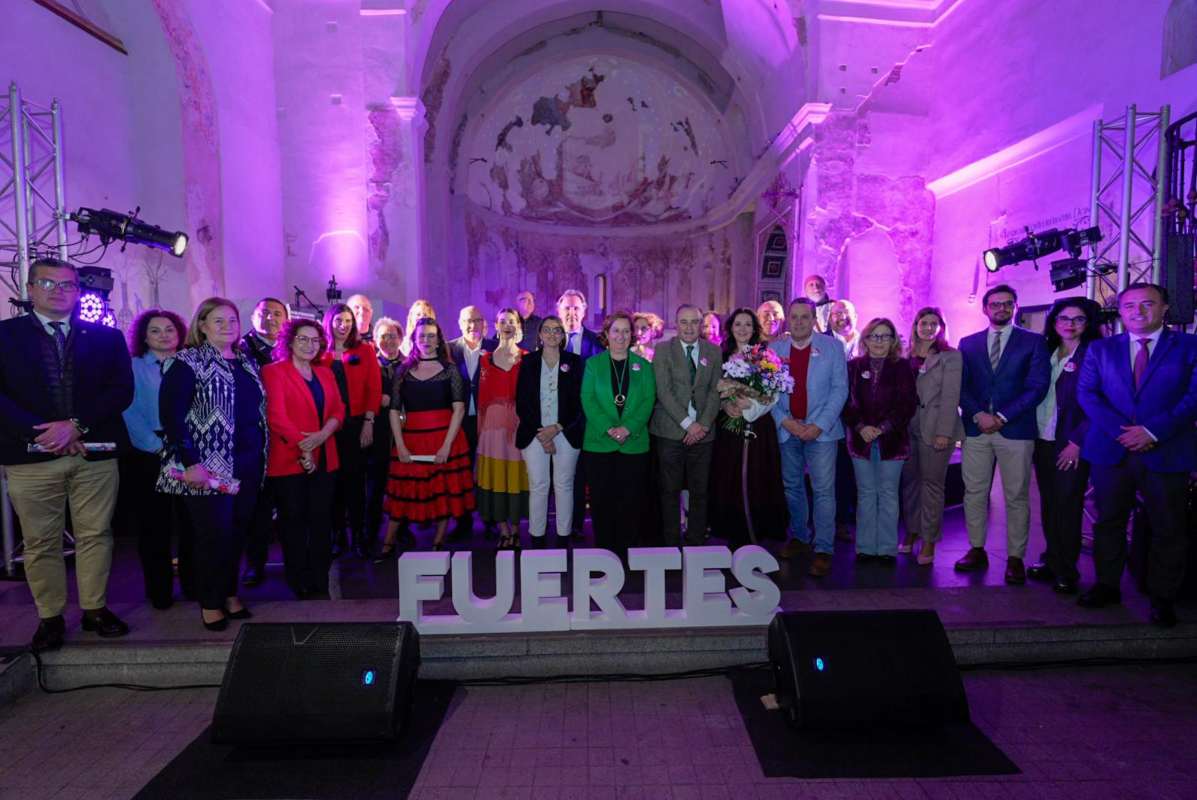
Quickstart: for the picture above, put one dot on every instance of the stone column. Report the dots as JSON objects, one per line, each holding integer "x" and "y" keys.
{"x": 395, "y": 198}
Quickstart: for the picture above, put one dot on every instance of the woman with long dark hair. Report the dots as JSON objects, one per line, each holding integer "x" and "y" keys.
{"x": 934, "y": 430}
{"x": 431, "y": 477}
{"x": 747, "y": 500}
{"x": 1060, "y": 472}
{"x": 155, "y": 337}
{"x": 359, "y": 382}
{"x": 213, "y": 413}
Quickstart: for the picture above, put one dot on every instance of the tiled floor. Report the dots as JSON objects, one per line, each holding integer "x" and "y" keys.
{"x": 1085, "y": 733}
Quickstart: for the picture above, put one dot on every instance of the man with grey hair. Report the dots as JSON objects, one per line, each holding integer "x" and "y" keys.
{"x": 579, "y": 339}
{"x": 687, "y": 369}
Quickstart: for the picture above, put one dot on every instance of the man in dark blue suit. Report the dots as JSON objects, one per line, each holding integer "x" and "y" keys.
{"x": 63, "y": 384}
{"x": 580, "y": 340}
{"x": 1139, "y": 389}
{"x": 1006, "y": 374}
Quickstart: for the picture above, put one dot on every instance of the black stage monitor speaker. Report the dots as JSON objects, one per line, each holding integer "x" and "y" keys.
{"x": 316, "y": 682}
{"x": 851, "y": 669}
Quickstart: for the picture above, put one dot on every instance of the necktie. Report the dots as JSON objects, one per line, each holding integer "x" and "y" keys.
{"x": 995, "y": 351}
{"x": 1141, "y": 362}
{"x": 59, "y": 339}
{"x": 573, "y": 337}
{"x": 690, "y": 363}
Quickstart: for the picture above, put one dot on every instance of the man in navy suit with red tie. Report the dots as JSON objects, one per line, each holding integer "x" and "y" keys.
{"x": 1139, "y": 389}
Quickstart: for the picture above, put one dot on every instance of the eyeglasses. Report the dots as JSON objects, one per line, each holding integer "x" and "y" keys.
{"x": 307, "y": 340}
{"x": 48, "y": 285}
{"x": 879, "y": 337}
{"x": 553, "y": 331}
{"x": 995, "y": 304}
{"x": 1078, "y": 320}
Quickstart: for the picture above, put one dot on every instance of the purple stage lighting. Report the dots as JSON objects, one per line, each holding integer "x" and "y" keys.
{"x": 91, "y": 307}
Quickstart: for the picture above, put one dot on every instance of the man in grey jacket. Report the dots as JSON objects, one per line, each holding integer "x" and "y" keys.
{"x": 687, "y": 370}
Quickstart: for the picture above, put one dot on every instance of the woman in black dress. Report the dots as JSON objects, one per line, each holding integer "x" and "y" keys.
{"x": 747, "y": 499}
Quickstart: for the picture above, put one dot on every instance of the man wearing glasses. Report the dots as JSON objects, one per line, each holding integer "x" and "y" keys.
{"x": 63, "y": 384}
{"x": 1006, "y": 374}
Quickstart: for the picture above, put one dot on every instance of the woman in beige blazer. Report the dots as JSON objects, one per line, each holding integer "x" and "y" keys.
{"x": 934, "y": 431}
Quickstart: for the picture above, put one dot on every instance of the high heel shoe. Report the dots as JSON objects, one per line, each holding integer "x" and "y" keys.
{"x": 244, "y": 613}
{"x": 926, "y": 556}
{"x": 387, "y": 551}
{"x": 217, "y": 625}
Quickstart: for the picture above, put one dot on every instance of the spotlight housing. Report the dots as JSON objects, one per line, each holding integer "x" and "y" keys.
{"x": 1036, "y": 245}
{"x": 95, "y": 284}
{"x": 112, "y": 226}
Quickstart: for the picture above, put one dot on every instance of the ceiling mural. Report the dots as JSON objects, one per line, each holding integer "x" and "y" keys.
{"x": 597, "y": 140}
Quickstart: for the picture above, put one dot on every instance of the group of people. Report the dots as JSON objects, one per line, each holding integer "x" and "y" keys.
{"x": 331, "y": 424}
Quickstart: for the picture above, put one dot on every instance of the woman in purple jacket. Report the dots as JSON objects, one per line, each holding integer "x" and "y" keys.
{"x": 881, "y": 401}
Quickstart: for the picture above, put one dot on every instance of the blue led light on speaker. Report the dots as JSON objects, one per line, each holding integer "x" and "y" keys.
{"x": 820, "y": 665}
{"x": 368, "y": 678}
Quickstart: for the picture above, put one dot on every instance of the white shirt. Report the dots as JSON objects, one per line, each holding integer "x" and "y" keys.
{"x": 472, "y": 357}
{"x": 691, "y": 411}
{"x": 549, "y": 410}
{"x": 45, "y": 321}
{"x": 849, "y": 343}
{"x": 1045, "y": 414}
{"x": 1003, "y": 334}
{"x": 1134, "y": 346}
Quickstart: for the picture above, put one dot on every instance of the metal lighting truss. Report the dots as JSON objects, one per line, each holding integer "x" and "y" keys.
{"x": 1130, "y": 160}
{"x": 32, "y": 189}
{"x": 32, "y": 213}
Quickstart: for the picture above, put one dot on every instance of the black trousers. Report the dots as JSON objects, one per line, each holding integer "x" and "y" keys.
{"x": 305, "y": 511}
{"x": 349, "y": 499}
{"x": 261, "y": 529}
{"x": 618, "y": 491}
{"x": 156, "y": 519}
{"x": 378, "y": 468}
{"x": 681, "y": 467}
{"x": 845, "y": 485}
{"x": 1164, "y": 496}
{"x": 221, "y": 525}
{"x": 1061, "y": 507}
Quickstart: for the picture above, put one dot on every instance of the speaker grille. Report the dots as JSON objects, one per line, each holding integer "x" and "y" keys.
{"x": 316, "y": 681}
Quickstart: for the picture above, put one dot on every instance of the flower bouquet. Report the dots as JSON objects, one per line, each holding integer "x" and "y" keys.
{"x": 757, "y": 374}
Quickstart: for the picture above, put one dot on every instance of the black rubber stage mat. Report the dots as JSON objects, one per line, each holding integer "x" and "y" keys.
{"x": 363, "y": 771}
{"x": 786, "y": 752}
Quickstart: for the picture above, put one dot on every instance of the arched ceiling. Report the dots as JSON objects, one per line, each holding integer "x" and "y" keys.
{"x": 747, "y": 67}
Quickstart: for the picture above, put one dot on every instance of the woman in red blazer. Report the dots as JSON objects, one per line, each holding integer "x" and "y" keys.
{"x": 359, "y": 381}
{"x": 303, "y": 411}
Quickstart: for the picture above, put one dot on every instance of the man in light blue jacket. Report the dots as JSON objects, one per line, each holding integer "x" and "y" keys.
{"x": 808, "y": 427}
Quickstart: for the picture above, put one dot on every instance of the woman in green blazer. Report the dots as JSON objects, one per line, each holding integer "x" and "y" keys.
{"x": 618, "y": 393}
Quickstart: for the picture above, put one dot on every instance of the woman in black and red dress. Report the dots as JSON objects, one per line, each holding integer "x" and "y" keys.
{"x": 430, "y": 474}
{"x": 747, "y": 499}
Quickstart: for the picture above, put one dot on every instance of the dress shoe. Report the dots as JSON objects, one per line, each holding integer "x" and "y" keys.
{"x": 1016, "y": 574}
{"x": 865, "y": 558}
{"x": 821, "y": 566}
{"x": 252, "y": 576}
{"x": 1099, "y": 596}
{"x": 975, "y": 560}
{"x": 795, "y": 548}
{"x": 1041, "y": 572}
{"x": 162, "y": 603}
{"x": 886, "y": 560}
{"x": 49, "y": 635}
{"x": 217, "y": 625}
{"x": 105, "y": 623}
{"x": 1163, "y": 613}
{"x": 1063, "y": 585}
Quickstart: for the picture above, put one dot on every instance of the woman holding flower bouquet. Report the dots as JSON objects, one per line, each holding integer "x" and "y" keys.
{"x": 618, "y": 394}
{"x": 881, "y": 401}
{"x": 747, "y": 499}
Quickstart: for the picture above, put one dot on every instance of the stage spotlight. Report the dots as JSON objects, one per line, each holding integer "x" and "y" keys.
{"x": 95, "y": 284}
{"x": 112, "y": 226}
{"x": 1040, "y": 244}
{"x": 1069, "y": 273}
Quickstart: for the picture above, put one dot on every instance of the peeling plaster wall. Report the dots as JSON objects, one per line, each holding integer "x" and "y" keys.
{"x": 652, "y": 273}
{"x": 867, "y": 230}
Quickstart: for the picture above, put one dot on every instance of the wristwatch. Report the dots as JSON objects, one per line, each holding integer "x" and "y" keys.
{"x": 79, "y": 426}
